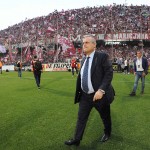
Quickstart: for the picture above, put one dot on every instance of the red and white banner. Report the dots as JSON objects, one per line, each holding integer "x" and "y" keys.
{"x": 122, "y": 36}
{"x": 126, "y": 36}
{"x": 65, "y": 43}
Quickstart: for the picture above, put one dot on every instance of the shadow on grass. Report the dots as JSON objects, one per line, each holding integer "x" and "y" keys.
{"x": 58, "y": 92}
{"x": 55, "y": 91}
{"x": 138, "y": 97}
{"x": 129, "y": 142}
{"x": 116, "y": 141}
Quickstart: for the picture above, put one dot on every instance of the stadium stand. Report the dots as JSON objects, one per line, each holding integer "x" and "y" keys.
{"x": 56, "y": 37}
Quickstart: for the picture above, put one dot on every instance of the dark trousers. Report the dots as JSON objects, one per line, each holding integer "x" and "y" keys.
{"x": 85, "y": 106}
{"x": 1, "y": 70}
{"x": 37, "y": 76}
{"x": 126, "y": 69}
{"x": 74, "y": 68}
{"x": 19, "y": 72}
{"x": 119, "y": 69}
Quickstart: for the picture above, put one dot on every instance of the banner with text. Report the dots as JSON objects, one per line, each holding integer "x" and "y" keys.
{"x": 56, "y": 67}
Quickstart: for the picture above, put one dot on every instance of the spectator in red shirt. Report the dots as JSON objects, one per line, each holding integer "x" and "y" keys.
{"x": 74, "y": 66}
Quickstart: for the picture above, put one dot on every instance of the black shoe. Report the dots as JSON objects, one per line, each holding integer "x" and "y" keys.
{"x": 72, "y": 142}
{"x": 132, "y": 94}
{"x": 105, "y": 137}
{"x": 142, "y": 93}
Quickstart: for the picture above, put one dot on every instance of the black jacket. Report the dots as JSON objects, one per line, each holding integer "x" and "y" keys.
{"x": 144, "y": 64}
{"x": 101, "y": 77}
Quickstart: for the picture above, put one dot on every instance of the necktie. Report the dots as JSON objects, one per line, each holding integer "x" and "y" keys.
{"x": 85, "y": 76}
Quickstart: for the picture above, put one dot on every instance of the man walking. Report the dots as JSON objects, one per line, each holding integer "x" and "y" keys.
{"x": 93, "y": 89}
{"x": 37, "y": 68}
{"x": 19, "y": 67}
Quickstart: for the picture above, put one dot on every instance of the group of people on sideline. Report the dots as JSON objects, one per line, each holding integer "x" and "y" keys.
{"x": 138, "y": 66}
{"x": 124, "y": 65}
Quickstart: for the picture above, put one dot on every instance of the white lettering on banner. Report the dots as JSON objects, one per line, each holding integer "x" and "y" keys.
{"x": 108, "y": 36}
{"x": 130, "y": 35}
{"x": 127, "y": 36}
{"x": 78, "y": 38}
{"x": 146, "y": 36}
{"x": 116, "y": 36}
{"x": 120, "y": 36}
{"x": 124, "y": 36}
{"x": 138, "y": 36}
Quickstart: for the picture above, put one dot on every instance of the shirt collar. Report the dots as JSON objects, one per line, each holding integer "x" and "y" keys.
{"x": 91, "y": 55}
{"x": 139, "y": 58}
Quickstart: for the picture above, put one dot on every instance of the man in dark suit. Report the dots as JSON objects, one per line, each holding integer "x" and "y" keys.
{"x": 140, "y": 71}
{"x": 37, "y": 69}
{"x": 93, "y": 89}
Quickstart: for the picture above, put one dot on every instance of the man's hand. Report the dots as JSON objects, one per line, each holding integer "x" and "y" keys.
{"x": 98, "y": 95}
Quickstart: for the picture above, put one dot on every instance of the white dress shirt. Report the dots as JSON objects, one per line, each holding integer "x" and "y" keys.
{"x": 139, "y": 64}
{"x": 90, "y": 87}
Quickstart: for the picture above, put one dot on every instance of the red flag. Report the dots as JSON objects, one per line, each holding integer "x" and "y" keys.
{"x": 65, "y": 43}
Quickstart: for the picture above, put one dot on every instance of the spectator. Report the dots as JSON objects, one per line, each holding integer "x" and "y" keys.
{"x": 74, "y": 66}
{"x": 19, "y": 68}
{"x": 1, "y": 64}
{"x": 140, "y": 71}
{"x": 37, "y": 68}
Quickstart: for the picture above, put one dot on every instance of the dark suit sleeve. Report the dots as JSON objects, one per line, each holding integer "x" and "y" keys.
{"x": 78, "y": 90}
{"x": 78, "y": 85}
{"x": 107, "y": 72}
{"x": 134, "y": 65}
{"x": 145, "y": 66}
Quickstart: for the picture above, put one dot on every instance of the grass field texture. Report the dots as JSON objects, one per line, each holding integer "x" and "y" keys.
{"x": 33, "y": 119}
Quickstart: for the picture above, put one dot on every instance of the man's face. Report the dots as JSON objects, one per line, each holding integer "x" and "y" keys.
{"x": 88, "y": 46}
{"x": 139, "y": 54}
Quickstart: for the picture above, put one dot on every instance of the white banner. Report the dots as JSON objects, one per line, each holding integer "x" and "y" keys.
{"x": 8, "y": 67}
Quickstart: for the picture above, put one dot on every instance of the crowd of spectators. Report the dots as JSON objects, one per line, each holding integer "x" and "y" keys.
{"x": 93, "y": 20}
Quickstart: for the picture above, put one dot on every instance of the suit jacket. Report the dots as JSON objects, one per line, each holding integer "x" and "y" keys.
{"x": 144, "y": 65}
{"x": 101, "y": 77}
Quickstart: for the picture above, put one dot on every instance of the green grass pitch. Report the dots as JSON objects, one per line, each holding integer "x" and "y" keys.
{"x": 33, "y": 119}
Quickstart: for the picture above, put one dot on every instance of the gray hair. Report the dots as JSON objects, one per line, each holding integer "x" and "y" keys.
{"x": 93, "y": 40}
